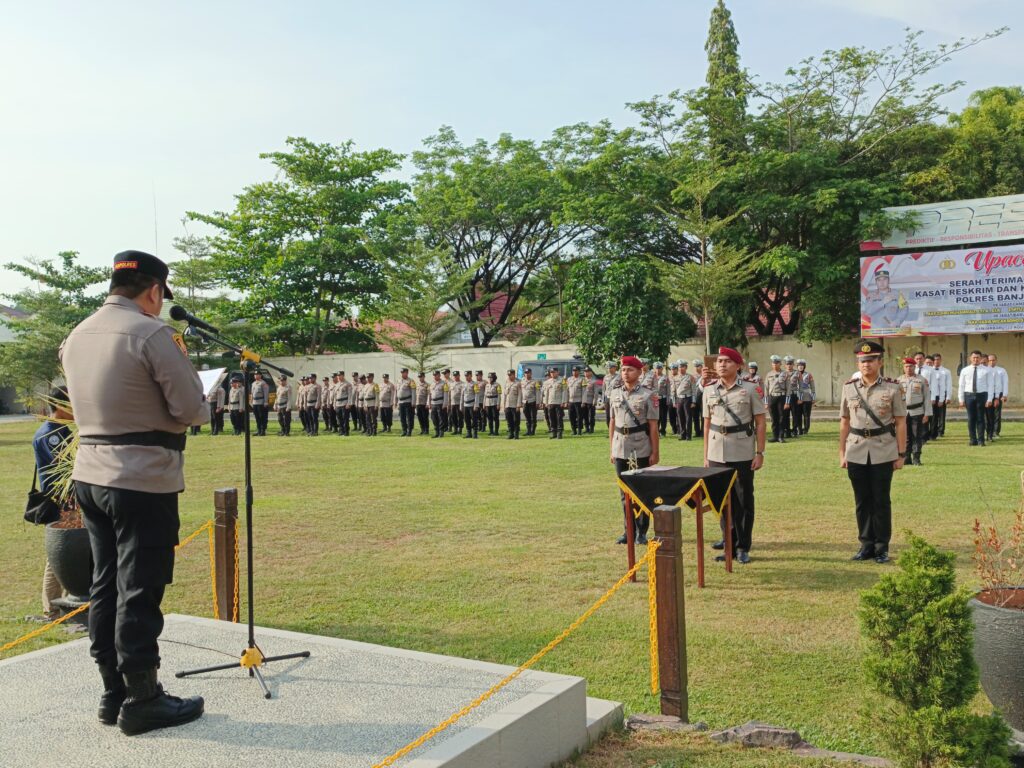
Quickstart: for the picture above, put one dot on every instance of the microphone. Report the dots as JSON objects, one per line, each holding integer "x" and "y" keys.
{"x": 180, "y": 313}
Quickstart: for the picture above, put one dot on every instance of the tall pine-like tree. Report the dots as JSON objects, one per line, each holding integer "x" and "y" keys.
{"x": 724, "y": 101}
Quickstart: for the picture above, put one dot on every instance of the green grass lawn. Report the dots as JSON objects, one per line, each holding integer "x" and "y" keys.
{"x": 488, "y": 548}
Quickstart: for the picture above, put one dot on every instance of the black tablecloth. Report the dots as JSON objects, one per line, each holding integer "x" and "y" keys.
{"x": 675, "y": 486}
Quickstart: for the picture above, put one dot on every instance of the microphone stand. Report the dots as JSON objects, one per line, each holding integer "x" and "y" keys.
{"x": 252, "y": 657}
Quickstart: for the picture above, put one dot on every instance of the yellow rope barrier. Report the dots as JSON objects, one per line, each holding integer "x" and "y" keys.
{"x": 652, "y": 610}
{"x": 213, "y": 575}
{"x": 47, "y": 627}
{"x": 390, "y": 760}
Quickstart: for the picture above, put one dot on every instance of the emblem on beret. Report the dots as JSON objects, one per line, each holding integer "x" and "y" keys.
{"x": 126, "y": 265}
{"x": 865, "y": 348}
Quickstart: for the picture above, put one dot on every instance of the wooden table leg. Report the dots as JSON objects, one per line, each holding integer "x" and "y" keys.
{"x": 728, "y": 532}
{"x": 698, "y": 498}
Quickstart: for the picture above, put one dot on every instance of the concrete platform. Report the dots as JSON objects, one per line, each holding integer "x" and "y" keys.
{"x": 349, "y": 704}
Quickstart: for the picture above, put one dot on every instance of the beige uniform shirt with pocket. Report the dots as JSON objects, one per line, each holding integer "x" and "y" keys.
{"x": 744, "y": 401}
{"x": 128, "y": 372}
{"x": 630, "y": 410}
{"x": 885, "y": 398}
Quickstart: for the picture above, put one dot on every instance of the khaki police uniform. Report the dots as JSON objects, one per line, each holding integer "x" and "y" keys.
{"x": 730, "y": 417}
{"x": 631, "y": 414}
{"x": 512, "y": 397}
{"x": 870, "y": 449}
{"x": 590, "y": 394}
{"x": 455, "y": 387}
{"x": 470, "y": 392}
{"x": 217, "y": 406}
{"x": 917, "y": 398}
{"x": 259, "y": 399}
{"x": 531, "y": 398}
{"x": 422, "y": 409}
{"x": 439, "y": 400}
{"x": 387, "y": 404}
{"x": 778, "y": 387}
{"x": 574, "y": 394}
{"x": 283, "y": 406}
{"x": 406, "y": 395}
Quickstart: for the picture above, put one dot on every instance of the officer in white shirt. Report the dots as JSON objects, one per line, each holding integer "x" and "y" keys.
{"x": 975, "y": 394}
{"x": 941, "y": 396}
{"x": 1001, "y": 385}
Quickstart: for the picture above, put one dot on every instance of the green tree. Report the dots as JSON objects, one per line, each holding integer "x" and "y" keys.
{"x": 64, "y": 296}
{"x": 723, "y": 102}
{"x": 415, "y": 320}
{"x": 618, "y": 306}
{"x": 919, "y": 655}
{"x": 297, "y": 248}
{"x": 499, "y": 206}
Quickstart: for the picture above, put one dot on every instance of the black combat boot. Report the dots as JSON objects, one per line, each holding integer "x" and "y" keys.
{"x": 113, "y": 693}
{"x": 148, "y": 707}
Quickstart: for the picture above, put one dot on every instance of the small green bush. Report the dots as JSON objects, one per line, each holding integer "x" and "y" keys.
{"x": 920, "y": 639}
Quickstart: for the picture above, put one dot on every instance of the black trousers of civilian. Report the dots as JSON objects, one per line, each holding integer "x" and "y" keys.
{"x": 132, "y": 536}
{"x": 872, "y": 486}
{"x": 742, "y": 499}
{"x": 643, "y": 522}
{"x": 937, "y": 425}
{"x": 777, "y": 408}
{"x": 530, "y": 415}
{"x": 405, "y": 416}
{"x": 993, "y": 418}
{"x": 575, "y": 417}
{"x": 998, "y": 408}
{"x": 422, "y": 413}
{"x": 975, "y": 404}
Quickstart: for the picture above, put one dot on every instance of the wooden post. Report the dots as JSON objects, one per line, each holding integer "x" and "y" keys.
{"x": 225, "y": 518}
{"x": 668, "y": 530}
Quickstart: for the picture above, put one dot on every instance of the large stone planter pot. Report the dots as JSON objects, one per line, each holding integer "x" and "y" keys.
{"x": 69, "y": 554}
{"x": 999, "y": 651}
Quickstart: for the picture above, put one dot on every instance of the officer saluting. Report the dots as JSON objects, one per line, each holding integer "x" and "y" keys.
{"x": 872, "y": 443}
{"x": 134, "y": 393}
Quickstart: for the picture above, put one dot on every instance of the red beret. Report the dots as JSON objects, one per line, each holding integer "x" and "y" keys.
{"x": 910, "y": 360}
{"x": 732, "y": 354}
{"x": 631, "y": 361}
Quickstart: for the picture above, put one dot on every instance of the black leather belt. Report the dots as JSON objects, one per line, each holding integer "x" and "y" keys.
{"x": 170, "y": 440}
{"x": 631, "y": 430}
{"x": 891, "y": 430}
{"x": 747, "y": 428}
{"x": 405, "y": 399}
{"x": 919, "y": 406}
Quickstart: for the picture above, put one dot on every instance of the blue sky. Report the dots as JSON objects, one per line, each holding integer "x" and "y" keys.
{"x": 110, "y": 107}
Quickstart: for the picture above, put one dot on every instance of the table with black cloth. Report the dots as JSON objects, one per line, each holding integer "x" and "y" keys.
{"x": 696, "y": 487}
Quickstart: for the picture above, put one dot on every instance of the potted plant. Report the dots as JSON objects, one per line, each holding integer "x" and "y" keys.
{"x": 66, "y": 540}
{"x": 998, "y": 610}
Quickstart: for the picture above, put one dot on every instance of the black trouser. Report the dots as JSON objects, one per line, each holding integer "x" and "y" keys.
{"x": 662, "y": 414}
{"x": 556, "y": 420}
{"x": 742, "y": 500}
{"x": 673, "y": 417}
{"x": 261, "y": 416}
{"x": 330, "y": 418}
{"x": 795, "y": 420}
{"x": 805, "y": 413}
{"x": 575, "y": 417}
{"x": 589, "y": 416}
{"x": 685, "y": 418}
{"x": 975, "y": 404}
{"x": 993, "y": 417}
{"x": 915, "y": 434}
{"x": 437, "y": 419}
{"x": 491, "y": 414}
{"x": 284, "y": 420}
{"x": 304, "y": 420}
{"x": 237, "y": 422}
{"x": 312, "y": 420}
{"x": 216, "y": 420}
{"x": 872, "y": 484}
{"x": 469, "y": 417}
{"x": 776, "y": 405}
{"x": 512, "y": 421}
{"x": 387, "y": 417}
{"x": 455, "y": 419}
{"x": 997, "y": 406}
{"x": 132, "y": 536}
{"x": 530, "y": 415}
{"x": 342, "y": 414}
{"x": 445, "y": 427}
{"x": 481, "y": 417}
{"x": 938, "y": 423}
{"x": 643, "y": 522}
{"x": 698, "y": 414}
{"x": 423, "y": 414}
{"x": 405, "y": 417}
{"x": 327, "y": 417}
{"x": 370, "y": 420}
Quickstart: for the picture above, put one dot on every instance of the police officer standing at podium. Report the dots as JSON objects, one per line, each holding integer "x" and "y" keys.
{"x": 134, "y": 393}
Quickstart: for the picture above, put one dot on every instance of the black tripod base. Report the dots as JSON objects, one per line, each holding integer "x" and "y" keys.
{"x": 254, "y": 668}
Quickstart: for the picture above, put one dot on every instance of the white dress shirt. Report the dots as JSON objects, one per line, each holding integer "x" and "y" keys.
{"x": 1001, "y": 381}
{"x": 986, "y": 381}
{"x": 943, "y": 384}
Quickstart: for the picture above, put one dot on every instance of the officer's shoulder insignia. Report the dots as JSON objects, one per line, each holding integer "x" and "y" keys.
{"x": 499, "y": 389}
{"x": 851, "y": 381}
{"x": 445, "y": 387}
{"x": 376, "y": 388}
{"x": 180, "y": 343}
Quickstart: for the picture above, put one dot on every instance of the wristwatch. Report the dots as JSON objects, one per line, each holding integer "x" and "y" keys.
{"x": 760, "y": 453}
{"x": 903, "y": 455}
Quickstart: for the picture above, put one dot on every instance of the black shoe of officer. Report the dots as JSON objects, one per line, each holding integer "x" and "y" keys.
{"x": 882, "y": 557}
{"x": 641, "y": 538}
{"x": 720, "y": 544}
{"x": 621, "y": 540}
{"x": 147, "y": 707}
{"x": 719, "y": 558}
{"x": 113, "y": 694}
{"x": 865, "y": 553}
{"x": 917, "y": 459}
{"x": 743, "y": 556}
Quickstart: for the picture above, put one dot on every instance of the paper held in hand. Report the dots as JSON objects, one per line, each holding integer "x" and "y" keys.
{"x": 211, "y": 380}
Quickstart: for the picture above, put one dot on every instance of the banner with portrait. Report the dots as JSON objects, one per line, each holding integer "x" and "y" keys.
{"x": 975, "y": 290}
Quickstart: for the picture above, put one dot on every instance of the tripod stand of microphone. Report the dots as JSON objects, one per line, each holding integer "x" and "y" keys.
{"x": 252, "y": 657}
